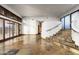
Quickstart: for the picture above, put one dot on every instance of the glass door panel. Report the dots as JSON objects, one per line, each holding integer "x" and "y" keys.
{"x": 11, "y": 28}
{"x": 15, "y": 29}
{"x": 6, "y": 29}
{"x": 20, "y": 30}
{"x": 67, "y": 22}
{"x": 62, "y": 20}
{"x": 1, "y": 29}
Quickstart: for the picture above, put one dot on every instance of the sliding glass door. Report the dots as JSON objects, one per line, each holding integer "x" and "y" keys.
{"x": 6, "y": 29}
{"x": 11, "y": 29}
{"x": 15, "y": 29}
{"x": 1, "y": 29}
{"x": 20, "y": 29}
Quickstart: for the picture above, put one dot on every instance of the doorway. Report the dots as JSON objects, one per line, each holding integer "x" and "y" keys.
{"x": 39, "y": 28}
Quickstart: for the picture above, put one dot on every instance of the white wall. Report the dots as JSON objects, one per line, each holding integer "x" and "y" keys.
{"x": 30, "y": 25}
{"x": 75, "y": 37}
{"x": 48, "y": 24}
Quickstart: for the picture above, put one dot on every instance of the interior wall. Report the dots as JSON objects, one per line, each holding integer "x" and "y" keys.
{"x": 48, "y": 24}
{"x": 30, "y": 25}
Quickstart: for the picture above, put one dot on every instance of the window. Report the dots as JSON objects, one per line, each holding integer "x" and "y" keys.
{"x": 67, "y": 22}
{"x": 6, "y": 29}
{"x": 11, "y": 28}
{"x": 1, "y": 10}
{"x": 62, "y": 20}
{"x": 19, "y": 29}
{"x": 75, "y": 21}
{"x": 1, "y": 29}
{"x": 15, "y": 29}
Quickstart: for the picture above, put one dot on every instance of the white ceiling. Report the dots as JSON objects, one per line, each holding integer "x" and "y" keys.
{"x": 41, "y": 9}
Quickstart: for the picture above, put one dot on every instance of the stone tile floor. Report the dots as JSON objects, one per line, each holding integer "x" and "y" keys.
{"x": 60, "y": 44}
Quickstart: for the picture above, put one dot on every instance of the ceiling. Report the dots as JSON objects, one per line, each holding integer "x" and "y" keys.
{"x": 41, "y": 9}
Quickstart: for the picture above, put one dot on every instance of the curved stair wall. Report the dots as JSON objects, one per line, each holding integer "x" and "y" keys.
{"x": 75, "y": 27}
{"x": 55, "y": 27}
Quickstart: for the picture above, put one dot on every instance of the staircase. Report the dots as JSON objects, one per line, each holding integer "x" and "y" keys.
{"x": 64, "y": 39}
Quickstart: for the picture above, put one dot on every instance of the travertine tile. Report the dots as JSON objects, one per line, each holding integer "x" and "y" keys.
{"x": 35, "y": 45}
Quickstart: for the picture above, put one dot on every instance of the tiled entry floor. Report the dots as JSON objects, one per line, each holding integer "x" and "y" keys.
{"x": 34, "y": 45}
